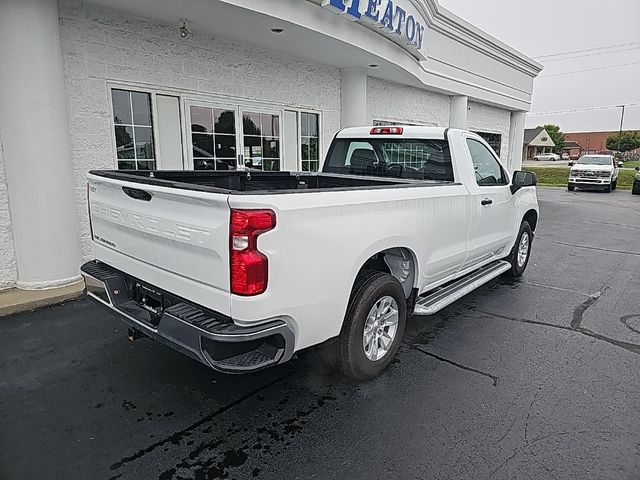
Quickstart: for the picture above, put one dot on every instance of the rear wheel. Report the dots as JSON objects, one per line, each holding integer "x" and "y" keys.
{"x": 372, "y": 329}
{"x": 519, "y": 256}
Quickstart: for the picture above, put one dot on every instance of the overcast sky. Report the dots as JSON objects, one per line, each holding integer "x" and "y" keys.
{"x": 548, "y": 27}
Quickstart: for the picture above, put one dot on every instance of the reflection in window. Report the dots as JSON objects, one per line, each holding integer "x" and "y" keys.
{"x": 309, "y": 141}
{"x": 261, "y": 140}
{"x": 213, "y": 138}
{"x": 133, "y": 127}
{"x": 493, "y": 139}
{"x": 383, "y": 157}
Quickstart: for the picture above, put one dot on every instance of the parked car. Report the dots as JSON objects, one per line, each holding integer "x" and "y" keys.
{"x": 599, "y": 171}
{"x": 547, "y": 157}
{"x": 636, "y": 182}
{"x": 240, "y": 270}
{"x": 565, "y": 156}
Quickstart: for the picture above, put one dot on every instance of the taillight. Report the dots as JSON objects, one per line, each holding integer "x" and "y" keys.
{"x": 249, "y": 266}
{"x": 89, "y": 212}
{"x": 386, "y": 131}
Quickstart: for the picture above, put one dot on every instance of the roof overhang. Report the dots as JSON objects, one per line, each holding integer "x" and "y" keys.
{"x": 457, "y": 58}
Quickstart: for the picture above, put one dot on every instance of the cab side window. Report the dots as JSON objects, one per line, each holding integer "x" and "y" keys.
{"x": 488, "y": 170}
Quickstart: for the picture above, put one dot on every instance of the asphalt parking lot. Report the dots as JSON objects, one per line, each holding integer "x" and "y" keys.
{"x": 534, "y": 378}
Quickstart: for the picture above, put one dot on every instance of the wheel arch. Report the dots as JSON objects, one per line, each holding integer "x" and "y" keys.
{"x": 531, "y": 216}
{"x": 400, "y": 262}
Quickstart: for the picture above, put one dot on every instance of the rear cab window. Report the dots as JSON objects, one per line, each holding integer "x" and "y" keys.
{"x": 411, "y": 158}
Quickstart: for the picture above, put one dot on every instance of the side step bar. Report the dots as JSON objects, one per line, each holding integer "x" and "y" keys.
{"x": 437, "y": 300}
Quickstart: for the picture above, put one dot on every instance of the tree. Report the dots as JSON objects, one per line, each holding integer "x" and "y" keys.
{"x": 628, "y": 141}
{"x": 556, "y": 135}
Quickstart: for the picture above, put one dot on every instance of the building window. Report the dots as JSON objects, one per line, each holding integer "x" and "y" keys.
{"x": 261, "y": 140}
{"x": 493, "y": 139}
{"x": 133, "y": 127}
{"x": 213, "y": 138}
{"x": 309, "y": 141}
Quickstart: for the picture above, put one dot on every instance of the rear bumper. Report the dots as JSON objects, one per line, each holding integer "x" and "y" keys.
{"x": 207, "y": 336}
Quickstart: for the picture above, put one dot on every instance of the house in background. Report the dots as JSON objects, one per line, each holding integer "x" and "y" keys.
{"x": 536, "y": 141}
{"x": 572, "y": 148}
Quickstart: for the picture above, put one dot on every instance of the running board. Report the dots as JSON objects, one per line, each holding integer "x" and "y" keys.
{"x": 436, "y": 301}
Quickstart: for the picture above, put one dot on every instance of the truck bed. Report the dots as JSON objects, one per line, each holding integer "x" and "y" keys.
{"x": 258, "y": 182}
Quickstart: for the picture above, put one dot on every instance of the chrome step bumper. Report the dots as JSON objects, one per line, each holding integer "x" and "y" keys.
{"x": 207, "y": 336}
{"x": 436, "y": 301}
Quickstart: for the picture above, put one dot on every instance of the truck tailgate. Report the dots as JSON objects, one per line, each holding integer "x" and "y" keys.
{"x": 174, "y": 239}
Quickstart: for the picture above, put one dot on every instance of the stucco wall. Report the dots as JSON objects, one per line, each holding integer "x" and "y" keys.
{"x": 7, "y": 255}
{"x": 485, "y": 118}
{"x": 392, "y": 101}
{"x": 101, "y": 45}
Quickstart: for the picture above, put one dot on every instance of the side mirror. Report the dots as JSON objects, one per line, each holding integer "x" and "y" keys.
{"x": 620, "y": 164}
{"x": 523, "y": 179}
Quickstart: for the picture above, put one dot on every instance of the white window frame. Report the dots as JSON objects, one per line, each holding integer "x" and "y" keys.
{"x": 154, "y": 117}
{"x": 187, "y": 97}
{"x": 321, "y": 152}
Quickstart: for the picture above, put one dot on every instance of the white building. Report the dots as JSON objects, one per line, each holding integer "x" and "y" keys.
{"x": 103, "y": 84}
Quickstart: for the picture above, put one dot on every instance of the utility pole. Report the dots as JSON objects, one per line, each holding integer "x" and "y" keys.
{"x": 620, "y": 131}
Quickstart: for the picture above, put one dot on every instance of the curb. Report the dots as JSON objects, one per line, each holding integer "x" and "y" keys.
{"x": 16, "y": 300}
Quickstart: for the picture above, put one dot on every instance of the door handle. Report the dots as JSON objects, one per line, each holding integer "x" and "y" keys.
{"x": 486, "y": 201}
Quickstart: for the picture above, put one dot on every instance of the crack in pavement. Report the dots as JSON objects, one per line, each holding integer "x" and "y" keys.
{"x": 597, "y": 248}
{"x": 578, "y": 312}
{"x": 493, "y": 378}
{"x": 625, "y": 321}
{"x": 542, "y": 285}
{"x": 177, "y": 436}
{"x": 576, "y": 323}
{"x": 611, "y": 223}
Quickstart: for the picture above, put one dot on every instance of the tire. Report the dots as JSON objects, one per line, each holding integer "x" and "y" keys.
{"x": 608, "y": 188}
{"x": 614, "y": 184}
{"x": 571, "y": 188}
{"x": 635, "y": 190}
{"x": 517, "y": 265}
{"x": 349, "y": 353}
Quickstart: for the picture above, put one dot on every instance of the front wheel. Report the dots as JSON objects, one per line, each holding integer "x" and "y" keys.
{"x": 607, "y": 188}
{"x": 571, "y": 188}
{"x": 614, "y": 184}
{"x": 519, "y": 256}
{"x": 373, "y": 327}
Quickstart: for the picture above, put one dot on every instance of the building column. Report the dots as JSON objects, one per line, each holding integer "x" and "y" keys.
{"x": 516, "y": 140}
{"x": 34, "y": 135}
{"x": 458, "y": 112}
{"x": 353, "y": 97}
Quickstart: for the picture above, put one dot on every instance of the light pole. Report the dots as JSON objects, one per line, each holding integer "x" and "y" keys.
{"x": 620, "y": 131}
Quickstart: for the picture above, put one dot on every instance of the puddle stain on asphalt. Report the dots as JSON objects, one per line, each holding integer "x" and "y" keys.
{"x": 176, "y": 437}
{"x": 265, "y": 435}
{"x": 217, "y": 458}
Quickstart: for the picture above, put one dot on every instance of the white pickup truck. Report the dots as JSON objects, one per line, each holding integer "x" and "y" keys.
{"x": 241, "y": 269}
